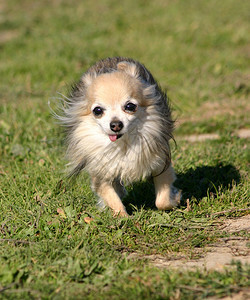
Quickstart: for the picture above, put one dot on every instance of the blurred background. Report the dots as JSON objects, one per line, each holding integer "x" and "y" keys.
{"x": 198, "y": 50}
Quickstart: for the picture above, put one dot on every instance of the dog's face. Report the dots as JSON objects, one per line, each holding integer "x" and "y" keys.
{"x": 117, "y": 103}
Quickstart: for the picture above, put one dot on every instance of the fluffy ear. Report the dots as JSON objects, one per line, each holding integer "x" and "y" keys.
{"x": 88, "y": 78}
{"x": 127, "y": 67}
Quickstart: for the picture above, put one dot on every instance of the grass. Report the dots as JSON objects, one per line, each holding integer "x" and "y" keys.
{"x": 49, "y": 247}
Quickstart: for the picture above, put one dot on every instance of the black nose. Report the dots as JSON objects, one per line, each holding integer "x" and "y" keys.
{"x": 116, "y": 126}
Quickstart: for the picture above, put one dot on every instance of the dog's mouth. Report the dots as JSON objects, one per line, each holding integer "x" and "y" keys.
{"x": 114, "y": 137}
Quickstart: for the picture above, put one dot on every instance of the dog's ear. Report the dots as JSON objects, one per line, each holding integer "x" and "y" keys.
{"x": 129, "y": 68}
{"x": 88, "y": 78}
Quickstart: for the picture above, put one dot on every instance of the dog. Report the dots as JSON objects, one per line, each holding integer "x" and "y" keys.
{"x": 118, "y": 126}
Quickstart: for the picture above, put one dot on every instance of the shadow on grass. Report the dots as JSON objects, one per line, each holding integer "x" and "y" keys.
{"x": 193, "y": 183}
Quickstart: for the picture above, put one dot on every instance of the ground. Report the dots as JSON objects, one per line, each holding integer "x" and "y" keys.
{"x": 54, "y": 241}
{"x": 216, "y": 256}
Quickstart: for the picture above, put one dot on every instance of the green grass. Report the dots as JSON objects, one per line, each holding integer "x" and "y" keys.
{"x": 198, "y": 51}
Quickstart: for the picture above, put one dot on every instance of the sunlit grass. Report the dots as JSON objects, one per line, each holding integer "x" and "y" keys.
{"x": 197, "y": 50}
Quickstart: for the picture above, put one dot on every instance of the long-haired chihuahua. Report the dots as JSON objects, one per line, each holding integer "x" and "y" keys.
{"x": 118, "y": 123}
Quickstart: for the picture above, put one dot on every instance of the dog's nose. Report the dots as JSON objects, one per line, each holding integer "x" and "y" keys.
{"x": 116, "y": 126}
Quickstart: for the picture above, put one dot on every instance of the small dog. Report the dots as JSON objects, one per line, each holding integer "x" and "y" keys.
{"x": 119, "y": 124}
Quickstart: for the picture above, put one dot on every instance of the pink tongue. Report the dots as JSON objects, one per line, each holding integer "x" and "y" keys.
{"x": 113, "y": 138}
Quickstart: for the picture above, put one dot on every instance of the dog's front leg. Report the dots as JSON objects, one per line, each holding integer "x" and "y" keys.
{"x": 109, "y": 197}
{"x": 167, "y": 196}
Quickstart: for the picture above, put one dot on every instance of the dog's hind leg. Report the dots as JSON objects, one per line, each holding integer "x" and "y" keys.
{"x": 167, "y": 196}
{"x": 109, "y": 197}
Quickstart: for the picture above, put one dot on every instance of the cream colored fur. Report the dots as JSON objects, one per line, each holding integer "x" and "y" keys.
{"x": 141, "y": 151}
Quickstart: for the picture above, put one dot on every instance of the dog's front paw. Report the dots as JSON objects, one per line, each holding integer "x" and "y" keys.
{"x": 168, "y": 200}
{"x": 120, "y": 214}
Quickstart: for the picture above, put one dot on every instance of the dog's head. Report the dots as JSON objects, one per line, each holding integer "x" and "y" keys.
{"x": 118, "y": 100}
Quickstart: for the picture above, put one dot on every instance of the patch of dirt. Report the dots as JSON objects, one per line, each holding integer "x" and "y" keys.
{"x": 236, "y": 225}
{"x": 242, "y": 133}
{"x": 7, "y": 35}
{"x": 200, "y": 137}
{"x": 208, "y": 110}
{"x": 243, "y": 295}
{"x": 216, "y": 256}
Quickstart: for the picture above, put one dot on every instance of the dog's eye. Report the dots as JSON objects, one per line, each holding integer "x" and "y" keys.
{"x": 98, "y": 111}
{"x": 130, "y": 107}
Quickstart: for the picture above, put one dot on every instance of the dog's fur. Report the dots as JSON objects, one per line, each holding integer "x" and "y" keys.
{"x": 119, "y": 124}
